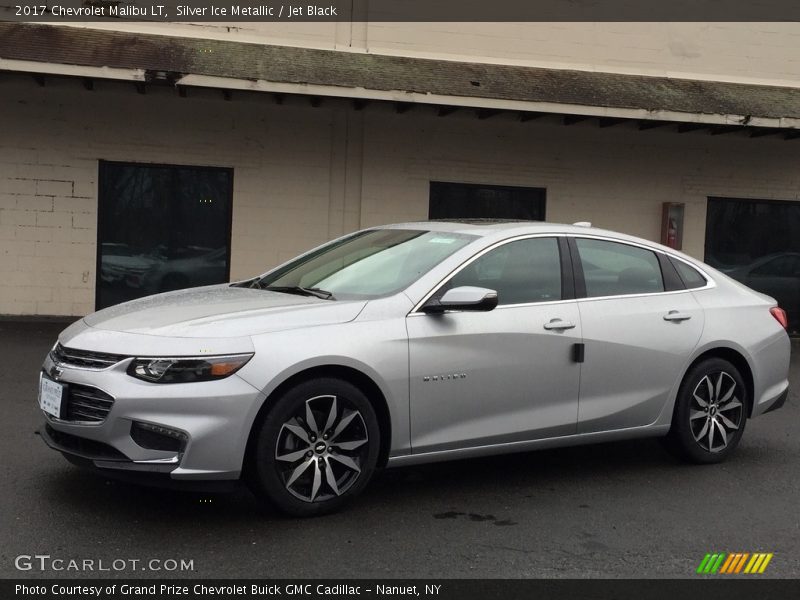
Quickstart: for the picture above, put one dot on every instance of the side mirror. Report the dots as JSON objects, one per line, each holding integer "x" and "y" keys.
{"x": 464, "y": 298}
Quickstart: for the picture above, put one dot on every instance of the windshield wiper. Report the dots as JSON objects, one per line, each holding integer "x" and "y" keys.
{"x": 300, "y": 291}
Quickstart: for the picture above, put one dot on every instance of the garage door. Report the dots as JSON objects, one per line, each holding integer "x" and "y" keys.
{"x": 758, "y": 243}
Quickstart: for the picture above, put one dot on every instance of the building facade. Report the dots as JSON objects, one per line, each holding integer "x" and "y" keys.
{"x": 139, "y": 157}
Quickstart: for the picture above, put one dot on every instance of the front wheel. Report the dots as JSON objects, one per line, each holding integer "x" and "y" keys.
{"x": 316, "y": 449}
{"x": 710, "y": 413}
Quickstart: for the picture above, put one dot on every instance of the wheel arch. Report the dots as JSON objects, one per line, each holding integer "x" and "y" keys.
{"x": 738, "y": 360}
{"x": 354, "y": 376}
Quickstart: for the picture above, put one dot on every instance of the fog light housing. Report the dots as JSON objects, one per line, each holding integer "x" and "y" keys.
{"x": 157, "y": 437}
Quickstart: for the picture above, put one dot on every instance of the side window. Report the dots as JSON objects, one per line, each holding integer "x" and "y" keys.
{"x": 520, "y": 272}
{"x": 612, "y": 269}
{"x": 690, "y": 276}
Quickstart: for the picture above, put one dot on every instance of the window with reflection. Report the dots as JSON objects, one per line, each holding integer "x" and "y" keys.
{"x": 756, "y": 243}
{"x": 612, "y": 269}
{"x": 161, "y": 228}
{"x": 479, "y": 201}
{"x": 521, "y": 272}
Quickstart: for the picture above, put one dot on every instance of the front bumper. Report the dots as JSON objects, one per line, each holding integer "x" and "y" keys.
{"x": 779, "y": 402}
{"x": 106, "y": 461}
{"x": 216, "y": 417}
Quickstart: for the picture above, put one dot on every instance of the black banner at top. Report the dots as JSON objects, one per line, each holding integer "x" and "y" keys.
{"x": 400, "y": 10}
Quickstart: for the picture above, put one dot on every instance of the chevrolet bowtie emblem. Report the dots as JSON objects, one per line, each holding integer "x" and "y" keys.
{"x": 56, "y": 372}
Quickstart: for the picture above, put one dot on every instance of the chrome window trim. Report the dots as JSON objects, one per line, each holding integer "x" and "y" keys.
{"x": 710, "y": 283}
{"x": 639, "y": 295}
{"x": 465, "y": 264}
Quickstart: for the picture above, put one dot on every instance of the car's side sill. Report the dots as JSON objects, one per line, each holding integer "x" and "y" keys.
{"x": 510, "y": 447}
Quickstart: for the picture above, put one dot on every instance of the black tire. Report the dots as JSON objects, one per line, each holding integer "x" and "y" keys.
{"x": 690, "y": 437}
{"x": 279, "y": 434}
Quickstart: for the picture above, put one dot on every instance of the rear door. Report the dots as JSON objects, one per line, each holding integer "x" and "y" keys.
{"x": 639, "y": 327}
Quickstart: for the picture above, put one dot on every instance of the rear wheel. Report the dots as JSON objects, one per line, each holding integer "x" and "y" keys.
{"x": 710, "y": 413}
{"x": 316, "y": 449}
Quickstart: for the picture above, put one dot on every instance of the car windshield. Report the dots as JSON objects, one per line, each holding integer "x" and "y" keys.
{"x": 368, "y": 264}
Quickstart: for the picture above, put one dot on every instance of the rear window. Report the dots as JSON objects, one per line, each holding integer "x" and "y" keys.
{"x": 691, "y": 277}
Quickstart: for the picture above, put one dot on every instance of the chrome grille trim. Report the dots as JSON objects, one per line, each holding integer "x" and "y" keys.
{"x": 87, "y": 404}
{"x": 84, "y": 359}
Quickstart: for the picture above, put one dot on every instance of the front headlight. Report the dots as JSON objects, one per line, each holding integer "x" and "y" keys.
{"x": 187, "y": 369}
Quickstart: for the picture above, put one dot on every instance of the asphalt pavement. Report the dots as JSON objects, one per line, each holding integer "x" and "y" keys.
{"x": 612, "y": 510}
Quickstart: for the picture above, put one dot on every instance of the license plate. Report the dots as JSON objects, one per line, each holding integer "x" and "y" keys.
{"x": 50, "y": 396}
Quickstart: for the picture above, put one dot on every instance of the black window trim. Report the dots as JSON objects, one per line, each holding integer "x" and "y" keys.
{"x": 669, "y": 274}
{"x": 674, "y": 259}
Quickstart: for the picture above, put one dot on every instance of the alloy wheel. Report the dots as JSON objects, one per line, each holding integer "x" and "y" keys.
{"x": 321, "y": 450}
{"x": 716, "y": 411}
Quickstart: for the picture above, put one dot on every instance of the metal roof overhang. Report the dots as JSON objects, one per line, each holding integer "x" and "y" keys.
{"x": 489, "y": 89}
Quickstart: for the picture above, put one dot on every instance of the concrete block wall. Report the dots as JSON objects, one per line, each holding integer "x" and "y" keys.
{"x": 52, "y": 138}
{"x": 303, "y": 175}
{"x": 617, "y": 178}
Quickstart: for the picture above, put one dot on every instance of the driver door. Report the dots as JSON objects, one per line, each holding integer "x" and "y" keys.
{"x": 506, "y": 375}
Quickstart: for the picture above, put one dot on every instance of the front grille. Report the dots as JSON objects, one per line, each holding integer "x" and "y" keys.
{"x": 83, "y": 447}
{"x": 83, "y": 359}
{"x": 85, "y": 403}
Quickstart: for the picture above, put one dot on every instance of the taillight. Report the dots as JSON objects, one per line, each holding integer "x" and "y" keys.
{"x": 780, "y": 316}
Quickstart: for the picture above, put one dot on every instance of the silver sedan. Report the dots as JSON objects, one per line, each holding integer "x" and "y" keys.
{"x": 413, "y": 343}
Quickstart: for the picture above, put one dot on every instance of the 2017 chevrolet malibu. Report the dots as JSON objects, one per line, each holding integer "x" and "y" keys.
{"x": 413, "y": 343}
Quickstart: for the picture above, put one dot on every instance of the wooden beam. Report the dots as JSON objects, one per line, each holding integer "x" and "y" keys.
{"x": 446, "y": 110}
{"x": 572, "y": 119}
{"x": 488, "y": 113}
{"x": 723, "y": 129}
{"x": 762, "y": 131}
{"x": 687, "y": 127}
{"x": 530, "y": 116}
{"x": 88, "y": 83}
{"x": 227, "y": 95}
{"x": 610, "y": 121}
{"x": 403, "y": 107}
{"x": 141, "y": 87}
{"x": 652, "y": 124}
{"x": 792, "y": 135}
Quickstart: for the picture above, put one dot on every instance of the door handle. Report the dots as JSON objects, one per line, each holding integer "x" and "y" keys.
{"x": 676, "y": 316}
{"x": 558, "y": 324}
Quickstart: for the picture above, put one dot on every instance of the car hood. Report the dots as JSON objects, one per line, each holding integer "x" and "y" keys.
{"x": 221, "y": 311}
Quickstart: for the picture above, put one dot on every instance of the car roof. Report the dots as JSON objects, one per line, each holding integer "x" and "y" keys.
{"x": 493, "y": 227}
{"x": 499, "y": 229}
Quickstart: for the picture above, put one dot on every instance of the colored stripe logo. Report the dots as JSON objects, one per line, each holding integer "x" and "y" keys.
{"x": 734, "y": 563}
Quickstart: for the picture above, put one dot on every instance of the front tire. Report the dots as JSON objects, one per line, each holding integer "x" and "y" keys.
{"x": 316, "y": 449}
{"x": 710, "y": 413}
